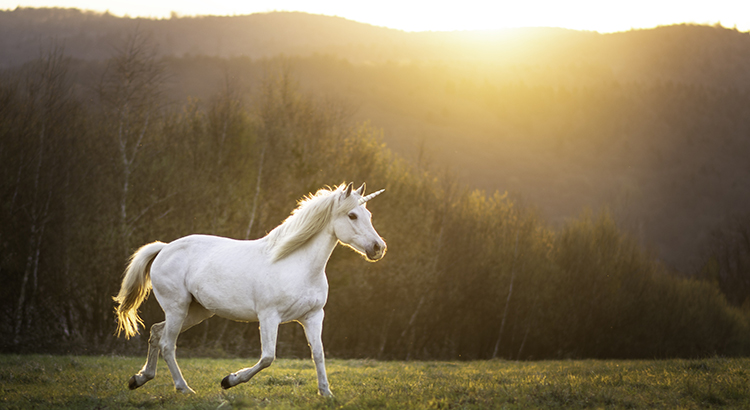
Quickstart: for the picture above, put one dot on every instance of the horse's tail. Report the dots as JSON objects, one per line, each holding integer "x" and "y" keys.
{"x": 136, "y": 285}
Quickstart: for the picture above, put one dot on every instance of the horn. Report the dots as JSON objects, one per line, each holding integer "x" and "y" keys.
{"x": 369, "y": 197}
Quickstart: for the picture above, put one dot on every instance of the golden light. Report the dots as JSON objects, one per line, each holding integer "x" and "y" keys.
{"x": 591, "y": 15}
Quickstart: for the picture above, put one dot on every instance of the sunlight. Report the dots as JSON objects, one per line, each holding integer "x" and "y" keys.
{"x": 589, "y": 15}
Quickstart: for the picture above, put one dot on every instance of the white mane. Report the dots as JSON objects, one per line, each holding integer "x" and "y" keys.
{"x": 313, "y": 213}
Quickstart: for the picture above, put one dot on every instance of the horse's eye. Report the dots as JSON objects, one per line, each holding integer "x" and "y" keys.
{"x": 353, "y": 216}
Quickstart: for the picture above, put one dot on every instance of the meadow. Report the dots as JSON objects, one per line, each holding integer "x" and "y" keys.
{"x": 87, "y": 382}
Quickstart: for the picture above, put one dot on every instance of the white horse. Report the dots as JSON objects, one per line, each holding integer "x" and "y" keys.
{"x": 276, "y": 279}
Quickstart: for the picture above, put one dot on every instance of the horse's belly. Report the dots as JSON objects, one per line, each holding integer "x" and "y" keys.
{"x": 248, "y": 302}
{"x": 230, "y": 306}
{"x": 286, "y": 309}
{"x": 237, "y": 315}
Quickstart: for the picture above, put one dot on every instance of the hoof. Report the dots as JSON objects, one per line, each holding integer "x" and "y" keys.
{"x": 225, "y": 383}
{"x": 133, "y": 384}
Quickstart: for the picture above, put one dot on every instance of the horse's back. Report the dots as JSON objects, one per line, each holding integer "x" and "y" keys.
{"x": 197, "y": 254}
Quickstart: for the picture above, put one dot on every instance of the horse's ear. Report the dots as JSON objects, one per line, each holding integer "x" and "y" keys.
{"x": 348, "y": 190}
{"x": 361, "y": 190}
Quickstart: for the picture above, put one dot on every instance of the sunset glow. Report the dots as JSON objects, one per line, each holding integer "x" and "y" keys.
{"x": 590, "y": 15}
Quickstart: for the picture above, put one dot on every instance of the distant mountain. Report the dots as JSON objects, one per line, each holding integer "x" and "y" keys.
{"x": 91, "y": 36}
{"x": 705, "y": 55}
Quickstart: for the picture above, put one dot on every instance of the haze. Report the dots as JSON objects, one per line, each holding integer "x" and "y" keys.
{"x": 590, "y": 15}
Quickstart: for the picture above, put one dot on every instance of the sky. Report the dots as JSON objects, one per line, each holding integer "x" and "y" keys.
{"x": 604, "y": 16}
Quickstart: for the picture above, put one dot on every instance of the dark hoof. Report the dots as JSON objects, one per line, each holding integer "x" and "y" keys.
{"x": 132, "y": 384}
{"x": 225, "y": 383}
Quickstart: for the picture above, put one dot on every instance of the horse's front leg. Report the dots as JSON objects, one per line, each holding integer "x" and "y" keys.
{"x": 313, "y": 325}
{"x": 269, "y": 328}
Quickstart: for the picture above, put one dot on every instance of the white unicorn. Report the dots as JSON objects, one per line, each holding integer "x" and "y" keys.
{"x": 276, "y": 279}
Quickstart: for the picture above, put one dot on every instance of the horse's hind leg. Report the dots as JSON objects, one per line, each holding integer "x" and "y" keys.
{"x": 148, "y": 371}
{"x": 196, "y": 314}
{"x": 177, "y": 321}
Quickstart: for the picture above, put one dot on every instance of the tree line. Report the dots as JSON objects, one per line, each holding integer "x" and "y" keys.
{"x": 89, "y": 175}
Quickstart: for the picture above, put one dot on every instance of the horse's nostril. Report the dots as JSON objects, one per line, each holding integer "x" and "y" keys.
{"x": 376, "y": 247}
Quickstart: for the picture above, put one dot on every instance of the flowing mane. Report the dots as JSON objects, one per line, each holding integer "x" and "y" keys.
{"x": 313, "y": 213}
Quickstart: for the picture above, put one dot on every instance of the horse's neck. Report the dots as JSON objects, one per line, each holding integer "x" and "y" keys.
{"x": 317, "y": 250}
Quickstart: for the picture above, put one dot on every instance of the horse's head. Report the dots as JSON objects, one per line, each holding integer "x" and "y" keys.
{"x": 352, "y": 224}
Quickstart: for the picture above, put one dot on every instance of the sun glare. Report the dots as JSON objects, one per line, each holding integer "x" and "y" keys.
{"x": 591, "y": 15}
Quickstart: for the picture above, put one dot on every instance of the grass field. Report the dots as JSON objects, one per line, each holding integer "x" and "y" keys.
{"x": 86, "y": 382}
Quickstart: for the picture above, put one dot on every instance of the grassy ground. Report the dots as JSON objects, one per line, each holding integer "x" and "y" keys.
{"x": 83, "y": 382}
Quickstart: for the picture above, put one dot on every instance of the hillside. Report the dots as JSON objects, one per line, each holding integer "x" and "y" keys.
{"x": 693, "y": 54}
{"x": 91, "y": 36}
{"x": 650, "y": 122}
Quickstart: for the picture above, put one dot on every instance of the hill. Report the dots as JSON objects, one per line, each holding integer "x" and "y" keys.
{"x": 649, "y": 122}
{"x": 711, "y": 56}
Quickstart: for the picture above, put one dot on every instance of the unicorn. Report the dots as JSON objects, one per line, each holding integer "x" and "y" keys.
{"x": 272, "y": 280}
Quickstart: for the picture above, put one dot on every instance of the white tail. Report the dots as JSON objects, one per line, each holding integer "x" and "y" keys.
{"x": 136, "y": 285}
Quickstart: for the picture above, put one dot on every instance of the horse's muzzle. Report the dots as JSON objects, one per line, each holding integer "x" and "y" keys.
{"x": 376, "y": 251}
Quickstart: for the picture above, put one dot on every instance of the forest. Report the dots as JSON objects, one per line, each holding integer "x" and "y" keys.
{"x": 98, "y": 157}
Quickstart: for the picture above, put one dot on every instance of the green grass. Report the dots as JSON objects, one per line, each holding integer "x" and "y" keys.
{"x": 84, "y": 382}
